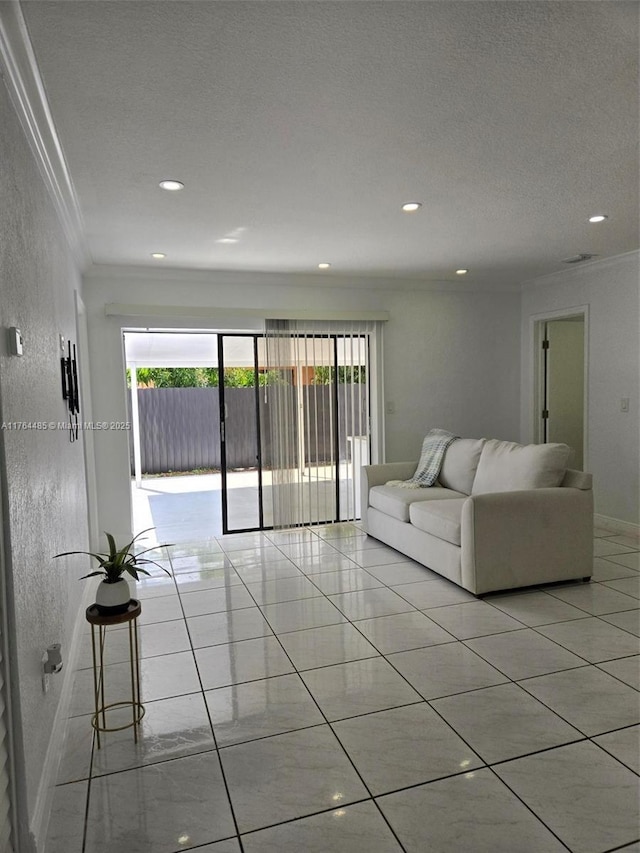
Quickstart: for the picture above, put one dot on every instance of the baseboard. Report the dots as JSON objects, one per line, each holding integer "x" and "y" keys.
{"x": 44, "y": 800}
{"x": 616, "y": 525}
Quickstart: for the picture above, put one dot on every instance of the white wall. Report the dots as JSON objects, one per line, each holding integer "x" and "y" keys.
{"x": 451, "y": 356}
{"x": 611, "y": 289}
{"x": 451, "y": 361}
{"x": 43, "y": 471}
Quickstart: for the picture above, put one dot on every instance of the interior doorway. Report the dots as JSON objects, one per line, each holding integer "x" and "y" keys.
{"x": 560, "y": 409}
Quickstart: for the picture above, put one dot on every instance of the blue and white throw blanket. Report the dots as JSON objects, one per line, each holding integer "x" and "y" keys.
{"x": 434, "y": 445}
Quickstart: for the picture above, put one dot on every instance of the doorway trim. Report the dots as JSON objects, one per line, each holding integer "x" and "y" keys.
{"x": 8, "y": 782}
{"x": 536, "y": 336}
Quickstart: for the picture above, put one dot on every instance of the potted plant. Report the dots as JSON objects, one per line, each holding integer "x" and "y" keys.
{"x": 113, "y": 594}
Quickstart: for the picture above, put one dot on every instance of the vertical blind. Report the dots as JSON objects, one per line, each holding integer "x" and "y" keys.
{"x": 318, "y": 405}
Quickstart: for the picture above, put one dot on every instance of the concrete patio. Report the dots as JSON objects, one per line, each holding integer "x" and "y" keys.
{"x": 188, "y": 508}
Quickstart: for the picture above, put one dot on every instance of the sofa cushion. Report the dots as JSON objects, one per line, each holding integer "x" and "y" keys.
{"x": 460, "y": 464}
{"x": 507, "y": 467}
{"x": 440, "y": 518}
{"x": 395, "y": 501}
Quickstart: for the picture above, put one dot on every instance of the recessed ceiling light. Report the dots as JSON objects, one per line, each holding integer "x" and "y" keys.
{"x": 461, "y": 272}
{"x": 598, "y": 217}
{"x": 227, "y": 240}
{"x": 158, "y": 255}
{"x": 411, "y": 206}
{"x": 324, "y": 266}
{"x": 171, "y": 185}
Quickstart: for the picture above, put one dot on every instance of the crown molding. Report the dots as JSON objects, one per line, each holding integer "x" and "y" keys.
{"x": 105, "y": 273}
{"x": 117, "y": 309}
{"x": 19, "y": 70}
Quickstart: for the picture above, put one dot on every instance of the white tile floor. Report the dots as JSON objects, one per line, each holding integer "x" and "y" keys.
{"x": 314, "y": 691}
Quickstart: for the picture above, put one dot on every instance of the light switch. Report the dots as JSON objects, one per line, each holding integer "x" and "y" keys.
{"x": 624, "y": 404}
{"x": 15, "y": 341}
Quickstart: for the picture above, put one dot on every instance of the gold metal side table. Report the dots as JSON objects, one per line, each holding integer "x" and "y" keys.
{"x": 97, "y": 620}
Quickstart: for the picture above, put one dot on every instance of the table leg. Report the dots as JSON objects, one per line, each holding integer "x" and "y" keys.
{"x": 136, "y": 655}
{"x": 95, "y": 683}
{"x": 103, "y": 638}
{"x": 133, "y": 685}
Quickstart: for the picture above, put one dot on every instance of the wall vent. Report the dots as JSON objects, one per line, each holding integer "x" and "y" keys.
{"x": 578, "y": 259}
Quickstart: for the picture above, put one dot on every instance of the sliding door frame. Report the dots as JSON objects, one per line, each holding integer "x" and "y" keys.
{"x": 223, "y": 432}
{"x": 333, "y": 338}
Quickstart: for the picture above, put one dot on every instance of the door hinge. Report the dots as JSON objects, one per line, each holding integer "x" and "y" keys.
{"x": 545, "y": 344}
{"x": 545, "y": 414}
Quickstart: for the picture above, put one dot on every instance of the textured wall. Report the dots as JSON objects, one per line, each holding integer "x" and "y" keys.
{"x": 451, "y": 361}
{"x": 44, "y": 471}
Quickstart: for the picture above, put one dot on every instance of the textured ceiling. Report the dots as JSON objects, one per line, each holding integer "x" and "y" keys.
{"x": 301, "y": 127}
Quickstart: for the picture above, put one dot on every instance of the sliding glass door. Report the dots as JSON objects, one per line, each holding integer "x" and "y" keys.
{"x": 319, "y": 415}
{"x": 294, "y": 428}
{"x": 240, "y": 435}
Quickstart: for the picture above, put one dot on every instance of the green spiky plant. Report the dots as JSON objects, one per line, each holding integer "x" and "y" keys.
{"x": 120, "y": 560}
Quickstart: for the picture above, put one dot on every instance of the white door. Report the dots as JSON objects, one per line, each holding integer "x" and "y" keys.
{"x": 564, "y": 383}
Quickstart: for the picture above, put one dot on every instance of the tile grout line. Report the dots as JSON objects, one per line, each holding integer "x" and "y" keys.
{"x": 213, "y": 734}
{"x": 379, "y": 654}
{"x": 326, "y": 723}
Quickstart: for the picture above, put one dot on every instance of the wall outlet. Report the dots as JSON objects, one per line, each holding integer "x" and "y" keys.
{"x": 390, "y": 408}
{"x": 624, "y": 404}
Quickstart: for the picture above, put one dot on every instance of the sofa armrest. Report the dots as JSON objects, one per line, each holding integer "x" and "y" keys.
{"x": 512, "y": 539}
{"x": 378, "y": 475}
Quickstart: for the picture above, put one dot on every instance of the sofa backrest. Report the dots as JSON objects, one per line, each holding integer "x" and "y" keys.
{"x": 460, "y": 464}
{"x": 506, "y": 466}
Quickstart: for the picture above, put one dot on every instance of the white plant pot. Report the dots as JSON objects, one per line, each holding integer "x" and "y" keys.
{"x": 113, "y": 598}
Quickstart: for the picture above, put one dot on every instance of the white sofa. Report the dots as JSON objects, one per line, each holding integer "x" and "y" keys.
{"x": 502, "y": 515}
